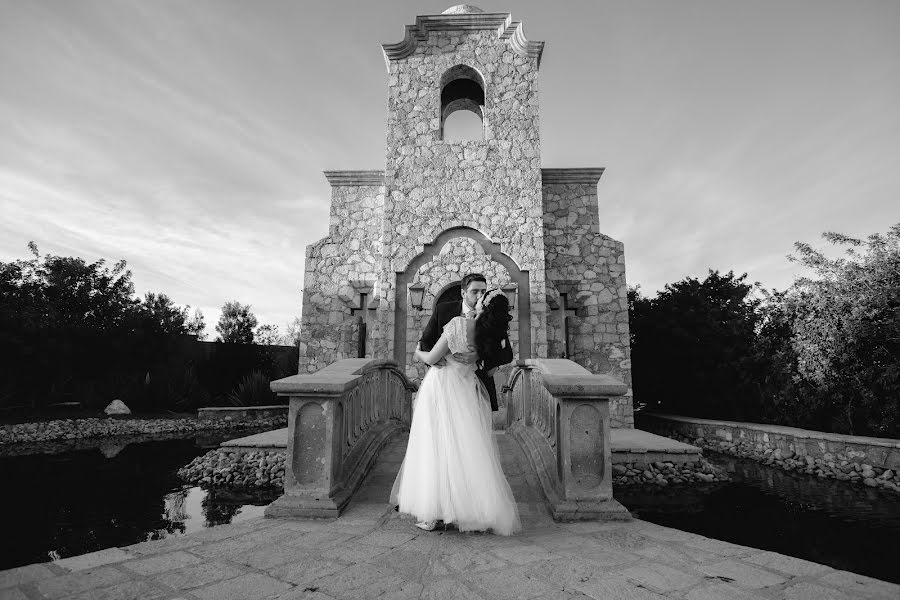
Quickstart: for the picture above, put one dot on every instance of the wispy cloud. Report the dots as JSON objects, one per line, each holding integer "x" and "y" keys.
{"x": 189, "y": 137}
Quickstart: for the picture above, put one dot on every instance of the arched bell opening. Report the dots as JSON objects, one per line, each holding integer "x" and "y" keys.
{"x": 463, "y": 93}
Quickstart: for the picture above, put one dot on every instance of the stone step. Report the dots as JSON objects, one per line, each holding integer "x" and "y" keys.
{"x": 642, "y": 447}
{"x": 267, "y": 440}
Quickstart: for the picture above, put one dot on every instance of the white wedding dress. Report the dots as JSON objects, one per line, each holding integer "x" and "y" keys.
{"x": 452, "y": 469}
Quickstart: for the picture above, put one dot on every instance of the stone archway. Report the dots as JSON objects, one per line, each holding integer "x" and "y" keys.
{"x": 493, "y": 251}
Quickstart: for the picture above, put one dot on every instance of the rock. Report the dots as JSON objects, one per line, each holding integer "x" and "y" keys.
{"x": 868, "y": 474}
{"x": 888, "y": 474}
{"x": 117, "y": 407}
{"x": 111, "y": 449}
{"x": 869, "y": 482}
{"x": 619, "y": 469}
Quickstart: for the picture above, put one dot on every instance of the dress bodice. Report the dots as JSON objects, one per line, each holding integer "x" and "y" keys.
{"x": 460, "y": 342}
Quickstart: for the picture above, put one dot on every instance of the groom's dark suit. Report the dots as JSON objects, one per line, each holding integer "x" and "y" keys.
{"x": 442, "y": 315}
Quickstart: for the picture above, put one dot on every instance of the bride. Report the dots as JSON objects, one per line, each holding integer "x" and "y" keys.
{"x": 452, "y": 470}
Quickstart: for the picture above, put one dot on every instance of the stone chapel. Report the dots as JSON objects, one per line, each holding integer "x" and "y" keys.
{"x": 400, "y": 239}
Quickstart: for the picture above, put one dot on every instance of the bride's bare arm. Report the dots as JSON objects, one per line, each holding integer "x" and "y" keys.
{"x": 435, "y": 354}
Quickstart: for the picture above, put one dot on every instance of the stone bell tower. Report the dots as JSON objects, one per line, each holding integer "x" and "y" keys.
{"x": 443, "y": 208}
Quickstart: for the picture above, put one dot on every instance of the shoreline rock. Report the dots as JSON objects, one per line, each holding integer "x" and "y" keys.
{"x": 837, "y": 466}
{"x": 92, "y": 427}
{"x": 662, "y": 474}
{"x": 234, "y": 468}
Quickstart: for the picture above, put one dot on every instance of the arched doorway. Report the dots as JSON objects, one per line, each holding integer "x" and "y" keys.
{"x": 452, "y": 294}
{"x": 492, "y": 250}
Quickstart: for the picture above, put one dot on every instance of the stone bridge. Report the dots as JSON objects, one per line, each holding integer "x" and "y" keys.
{"x": 342, "y": 417}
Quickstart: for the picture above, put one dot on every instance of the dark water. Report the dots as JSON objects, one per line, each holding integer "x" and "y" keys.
{"x": 70, "y": 503}
{"x": 847, "y": 527}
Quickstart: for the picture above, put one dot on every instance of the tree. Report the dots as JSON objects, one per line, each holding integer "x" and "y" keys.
{"x": 691, "y": 345}
{"x": 236, "y": 324}
{"x": 197, "y": 324}
{"x": 292, "y": 337}
{"x": 267, "y": 335}
{"x": 846, "y": 331}
{"x": 162, "y": 315}
{"x": 59, "y": 292}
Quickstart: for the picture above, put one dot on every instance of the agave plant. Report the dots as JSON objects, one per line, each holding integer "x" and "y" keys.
{"x": 184, "y": 390}
{"x": 253, "y": 390}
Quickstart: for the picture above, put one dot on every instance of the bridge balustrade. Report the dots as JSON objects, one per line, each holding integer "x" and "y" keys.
{"x": 339, "y": 419}
{"x": 559, "y": 413}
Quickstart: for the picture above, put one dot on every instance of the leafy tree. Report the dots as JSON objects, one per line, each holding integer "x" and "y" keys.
{"x": 691, "y": 345}
{"x": 236, "y": 324}
{"x": 73, "y": 330}
{"x": 196, "y": 325}
{"x": 846, "y": 331}
{"x": 292, "y": 337}
{"x": 66, "y": 293}
{"x": 267, "y": 335}
{"x": 162, "y": 315}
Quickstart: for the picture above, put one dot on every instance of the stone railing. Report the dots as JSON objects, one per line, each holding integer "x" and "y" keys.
{"x": 559, "y": 413}
{"x": 339, "y": 419}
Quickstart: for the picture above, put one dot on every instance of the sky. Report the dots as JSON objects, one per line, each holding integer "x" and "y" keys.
{"x": 189, "y": 137}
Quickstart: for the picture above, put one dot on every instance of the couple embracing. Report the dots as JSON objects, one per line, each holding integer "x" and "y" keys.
{"x": 452, "y": 472}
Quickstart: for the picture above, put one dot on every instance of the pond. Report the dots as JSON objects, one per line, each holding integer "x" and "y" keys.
{"x": 73, "y": 502}
{"x": 848, "y": 527}
{"x": 70, "y": 503}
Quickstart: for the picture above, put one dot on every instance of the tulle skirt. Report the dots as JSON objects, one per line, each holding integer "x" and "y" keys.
{"x": 452, "y": 469}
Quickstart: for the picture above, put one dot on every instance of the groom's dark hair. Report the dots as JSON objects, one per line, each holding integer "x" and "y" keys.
{"x": 470, "y": 278}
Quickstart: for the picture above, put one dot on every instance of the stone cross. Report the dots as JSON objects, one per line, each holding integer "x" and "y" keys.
{"x": 366, "y": 318}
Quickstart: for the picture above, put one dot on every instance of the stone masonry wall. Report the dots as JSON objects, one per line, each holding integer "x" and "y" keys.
{"x": 589, "y": 268}
{"x": 830, "y": 448}
{"x": 491, "y": 185}
{"x": 339, "y": 267}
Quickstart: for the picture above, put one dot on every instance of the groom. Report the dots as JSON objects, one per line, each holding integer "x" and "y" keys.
{"x": 473, "y": 287}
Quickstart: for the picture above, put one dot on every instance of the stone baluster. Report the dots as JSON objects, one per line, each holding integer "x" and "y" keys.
{"x": 565, "y": 434}
{"x": 333, "y": 435}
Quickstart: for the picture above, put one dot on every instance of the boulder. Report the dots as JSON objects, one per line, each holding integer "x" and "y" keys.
{"x": 117, "y": 407}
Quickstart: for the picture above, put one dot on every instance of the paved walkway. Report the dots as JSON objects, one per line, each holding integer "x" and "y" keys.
{"x": 373, "y": 552}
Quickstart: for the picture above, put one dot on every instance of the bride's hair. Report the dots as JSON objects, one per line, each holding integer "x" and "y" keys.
{"x": 491, "y": 328}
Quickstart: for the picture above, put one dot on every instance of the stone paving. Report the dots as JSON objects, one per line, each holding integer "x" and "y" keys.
{"x": 373, "y": 552}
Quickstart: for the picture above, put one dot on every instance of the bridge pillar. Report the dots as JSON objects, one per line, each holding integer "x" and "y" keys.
{"x": 338, "y": 421}
{"x": 559, "y": 413}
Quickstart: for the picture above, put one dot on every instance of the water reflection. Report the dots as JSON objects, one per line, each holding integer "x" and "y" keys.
{"x": 70, "y": 503}
{"x": 826, "y": 521}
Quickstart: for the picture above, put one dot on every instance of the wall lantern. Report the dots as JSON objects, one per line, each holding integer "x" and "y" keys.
{"x": 416, "y": 295}
{"x": 510, "y": 292}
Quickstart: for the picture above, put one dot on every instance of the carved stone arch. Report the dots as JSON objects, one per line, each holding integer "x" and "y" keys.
{"x": 495, "y": 253}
